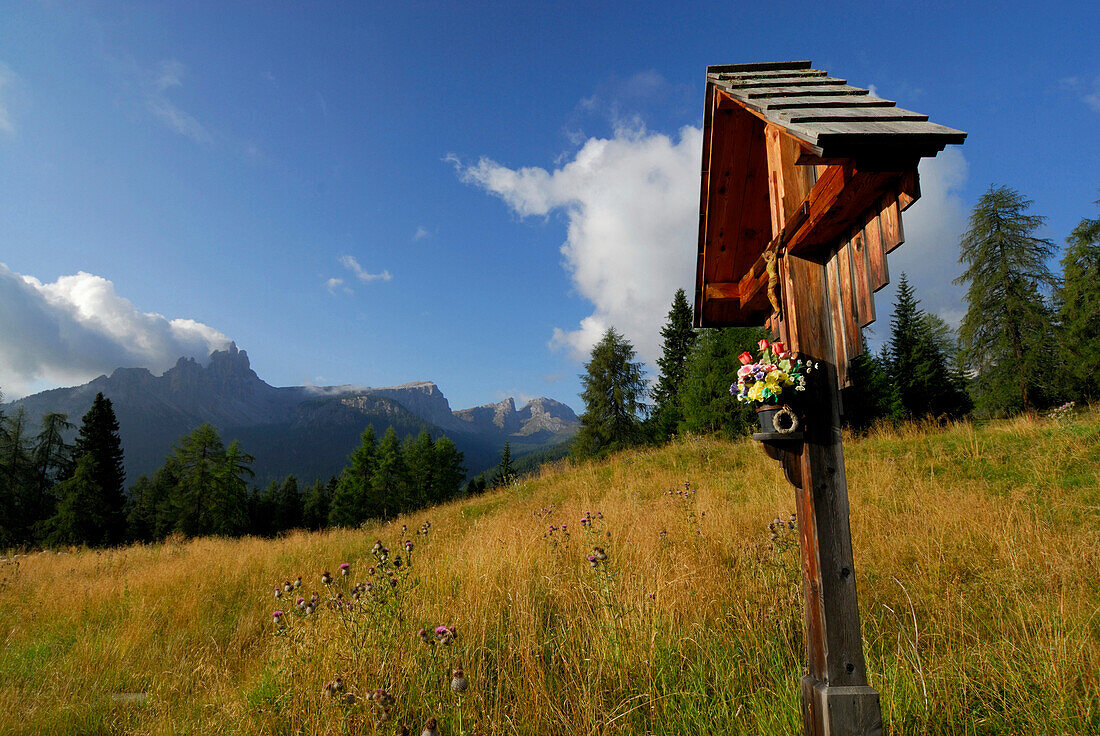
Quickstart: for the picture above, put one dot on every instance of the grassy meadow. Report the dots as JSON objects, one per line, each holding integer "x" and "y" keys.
{"x": 977, "y": 553}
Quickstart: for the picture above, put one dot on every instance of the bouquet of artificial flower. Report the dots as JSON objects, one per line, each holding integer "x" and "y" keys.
{"x": 764, "y": 381}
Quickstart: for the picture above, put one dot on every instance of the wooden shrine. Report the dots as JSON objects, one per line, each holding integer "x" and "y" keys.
{"x": 803, "y": 184}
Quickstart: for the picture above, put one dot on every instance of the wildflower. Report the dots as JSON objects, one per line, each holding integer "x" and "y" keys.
{"x": 458, "y": 679}
{"x": 385, "y": 552}
{"x": 381, "y": 697}
{"x": 314, "y": 598}
{"x": 326, "y": 578}
{"x": 601, "y": 555}
{"x": 592, "y": 560}
{"x": 404, "y": 530}
{"x": 393, "y": 582}
{"x": 397, "y": 561}
{"x": 301, "y": 602}
{"x": 377, "y": 547}
{"x": 277, "y": 617}
{"x": 329, "y": 690}
{"x": 345, "y": 568}
{"x": 424, "y": 636}
{"x": 287, "y": 587}
{"x": 430, "y": 728}
{"x": 298, "y": 582}
{"x": 408, "y": 545}
{"x": 370, "y": 570}
{"x": 309, "y": 608}
{"x": 338, "y": 683}
{"x": 278, "y": 593}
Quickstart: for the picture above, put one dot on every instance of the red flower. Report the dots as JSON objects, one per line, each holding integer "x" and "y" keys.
{"x": 763, "y": 344}
{"x": 745, "y": 357}
{"x": 779, "y": 347}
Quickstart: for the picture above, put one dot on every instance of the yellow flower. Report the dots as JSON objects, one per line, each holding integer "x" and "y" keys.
{"x": 756, "y": 393}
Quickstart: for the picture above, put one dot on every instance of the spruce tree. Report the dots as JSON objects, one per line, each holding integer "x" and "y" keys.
{"x": 705, "y": 399}
{"x": 506, "y": 472}
{"x": 678, "y": 337}
{"x": 390, "y": 482}
{"x": 1006, "y": 331}
{"x": 1079, "y": 310}
{"x": 349, "y": 504}
{"x": 315, "y": 507}
{"x": 614, "y": 387}
{"x": 420, "y": 458}
{"x": 449, "y": 472}
{"x": 98, "y": 436}
{"x": 289, "y": 505}
{"x": 81, "y": 516}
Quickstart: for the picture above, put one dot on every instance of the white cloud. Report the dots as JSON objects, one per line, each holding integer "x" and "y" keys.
{"x": 362, "y": 274}
{"x": 334, "y": 283}
{"x": 7, "y": 79}
{"x": 421, "y": 233}
{"x": 170, "y": 74}
{"x": 1088, "y": 91}
{"x": 930, "y": 255}
{"x": 77, "y": 327}
{"x": 631, "y": 203}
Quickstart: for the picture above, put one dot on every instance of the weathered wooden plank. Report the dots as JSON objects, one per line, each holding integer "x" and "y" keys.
{"x": 792, "y": 103}
{"x": 861, "y": 280}
{"x": 836, "y": 306}
{"x": 908, "y": 189}
{"x": 724, "y": 290}
{"x": 758, "y": 66}
{"x": 849, "y": 114}
{"x": 804, "y": 91}
{"x": 732, "y": 143}
{"x": 872, "y": 237}
{"x": 771, "y": 73}
{"x": 872, "y": 133}
{"x": 892, "y": 234}
{"x": 736, "y": 83}
{"x": 849, "y": 313}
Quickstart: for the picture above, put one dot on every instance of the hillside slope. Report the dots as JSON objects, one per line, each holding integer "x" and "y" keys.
{"x": 976, "y": 553}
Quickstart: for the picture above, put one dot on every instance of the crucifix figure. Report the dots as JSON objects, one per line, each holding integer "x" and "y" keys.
{"x": 803, "y": 184}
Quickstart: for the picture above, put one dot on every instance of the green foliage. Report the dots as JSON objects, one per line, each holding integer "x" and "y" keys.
{"x": 1079, "y": 310}
{"x": 506, "y": 472}
{"x": 873, "y": 395}
{"x": 920, "y": 357}
{"x": 420, "y": 459}
{"x": 210, "y": 495}
{"x": 1006, "y": 331}
{"x": 349, "y": 506}
{"x": 317, "y": 502}
{"x": 98, "y": 436}
{"x": 678, "y": 339}
{"x": 16, "y": 471}
{"x": 390, "y": 487}
{"x": 81, "y": 516}
{"x": 449, "y": 473}
{"x": 613, "y": 390}
{"x": 705, "y": 399}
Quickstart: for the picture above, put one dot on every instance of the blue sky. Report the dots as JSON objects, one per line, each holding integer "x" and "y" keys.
{"x": 465, "y": 193}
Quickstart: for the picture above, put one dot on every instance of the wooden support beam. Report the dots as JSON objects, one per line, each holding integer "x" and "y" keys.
{"x": 836, "y": 698}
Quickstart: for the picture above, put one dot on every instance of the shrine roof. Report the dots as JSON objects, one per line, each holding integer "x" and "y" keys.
{"x": 834, "y": 119}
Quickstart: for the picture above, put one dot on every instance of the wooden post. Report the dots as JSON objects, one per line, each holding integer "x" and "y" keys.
{"x": 836, "y": 698}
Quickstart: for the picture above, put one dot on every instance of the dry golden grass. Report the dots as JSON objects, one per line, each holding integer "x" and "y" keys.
{"x": 977, "y": 551}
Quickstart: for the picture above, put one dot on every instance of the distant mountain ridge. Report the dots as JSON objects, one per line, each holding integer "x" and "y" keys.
{"x": 305, "y": 430}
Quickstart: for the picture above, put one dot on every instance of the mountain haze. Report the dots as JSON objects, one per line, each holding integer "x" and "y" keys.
{"x": 305, "y": 430}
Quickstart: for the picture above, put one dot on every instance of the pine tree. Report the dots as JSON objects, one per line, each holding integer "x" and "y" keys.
{"x": 873, "y": 395}
{"x": 1006, "y": 329}
{"x": 81, "y": 516}
{"x": 505, "y": 473}
{"x": 614, "y": 387}
{"x": 16, "y": 475}
{"x": 390, "y": 482}
{"x": 350, "y": 504}
{"x": 420, "y": 458}
{"x": 198, "y": 458}
{"x": 679, "y": 337}
{"x": 705, "y": 399}
{"x": 1079, "y": 310}
{"x": 315, "y": 507}
{"x": 98, "y": 436}
{"x": 449, "y": 472}
{"x": 289, "y": 505}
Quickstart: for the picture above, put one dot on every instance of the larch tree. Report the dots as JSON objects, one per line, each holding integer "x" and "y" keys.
{"x": 1006, "y": 331}
{"x": 1079, "y": 309}
{"x": 614, "y": 389}
{"x": 349, "y": 504}
{"x": 678, "y": 337}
